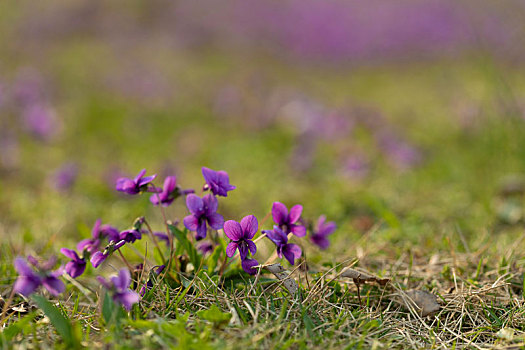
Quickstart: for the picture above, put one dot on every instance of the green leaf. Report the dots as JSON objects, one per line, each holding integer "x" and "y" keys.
{"x": 15, "y": 328}
{"x": 61, "y": 324}
{"x": 215, "y": 315}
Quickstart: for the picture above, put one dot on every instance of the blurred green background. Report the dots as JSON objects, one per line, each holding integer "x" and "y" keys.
{"x": 406, "y": 118}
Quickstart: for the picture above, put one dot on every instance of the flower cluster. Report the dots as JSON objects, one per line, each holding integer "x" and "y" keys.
{"x": 203, "y": 219}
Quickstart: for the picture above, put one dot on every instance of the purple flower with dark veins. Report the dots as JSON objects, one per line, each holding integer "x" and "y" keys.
{"x": 76, "y": 266}
{"x": 134, "y": 186}
{"x": 289, "y": 250}
{"x": 29, "y": 280}
{"x": 203, "y": 210}
{"x": 118, "y": 286}
{"x": 131, "y": 235}
{"x": 287, "y": 222}
{"x": 168, "y": 193}
{"x": 217, "y": 181}
{"x": 321, "y": 231}
{"x": 241, "y": 236}
{"x": 248, "y": 266}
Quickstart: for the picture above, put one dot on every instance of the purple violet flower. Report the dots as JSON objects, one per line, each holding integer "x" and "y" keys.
{"x": 131, "y": 235}
{"x": 248, "y": 264}
{"x": 321, "y": 231}
{"x": 136, "y": 185}
{"x": 241, "y": 236}
{"x": 169, "y": 192}
{"x": 203, "y": 210}
{"x": 118, "y": 286}
{"x": 289, "y": 250}
{"x": 217, "y": 181}
{"x": 29, "y": 280}
{"x": 76, "y": 266}
{"x": 287, "y": 222}
{"x": 98, "y": 258}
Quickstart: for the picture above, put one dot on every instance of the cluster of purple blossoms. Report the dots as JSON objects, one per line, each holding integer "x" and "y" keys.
{"x": 204, "y": 210}
{"x": 118, "y": 241}
{"x": 204, "y": 213}
{"x": 91, "y": 248}
{"x": 106, "y": 239}
{"x": 30, "y": 279}
{"x": 118, "y": 286}
{"x": 286, "y": 223}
